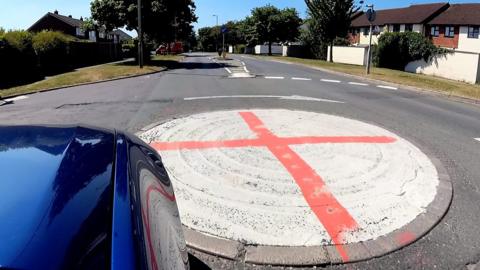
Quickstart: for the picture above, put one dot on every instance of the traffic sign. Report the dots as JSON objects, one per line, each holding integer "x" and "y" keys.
{"x": 224, "y": 29}
{"x": 371, "y": 15}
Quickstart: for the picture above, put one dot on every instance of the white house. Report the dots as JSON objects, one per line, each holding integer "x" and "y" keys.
{"x": 413, "y": 18}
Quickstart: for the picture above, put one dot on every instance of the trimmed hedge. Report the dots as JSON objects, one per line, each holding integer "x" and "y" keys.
{"x": 396, "y": 50}
{"x": 52, "y": 50}
{"x": 26, "y": 57}
{"x": 18, "y": 59}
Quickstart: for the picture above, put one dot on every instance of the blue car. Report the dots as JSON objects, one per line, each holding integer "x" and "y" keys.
{"x": 85, "y": 198}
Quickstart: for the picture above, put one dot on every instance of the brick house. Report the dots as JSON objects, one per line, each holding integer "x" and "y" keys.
{"x": 73, "y": 27}
{"x": 457, "y": 28}
{"x": 413, "y": 18}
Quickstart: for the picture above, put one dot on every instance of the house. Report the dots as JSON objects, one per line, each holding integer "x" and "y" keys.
{"x": 73, "y": 27}
{"x": 457, "y": 28}
{"x": 413, "y": 18}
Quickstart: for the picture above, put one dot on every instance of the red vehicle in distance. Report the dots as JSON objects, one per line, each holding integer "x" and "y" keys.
{"x": 171, "y": 48}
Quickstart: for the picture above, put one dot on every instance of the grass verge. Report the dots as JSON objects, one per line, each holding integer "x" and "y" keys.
{"x": 427, "y": 82}
{"x": 93, "y": 74}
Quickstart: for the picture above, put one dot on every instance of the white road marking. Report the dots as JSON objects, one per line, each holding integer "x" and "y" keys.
{"x": 246, "y": 70}
{"x": 333, "y": 81}
{"x": 16, "y": 98}
{"x": 387, "y": 87}
{"x": 266, "y": 96}
{"x": 478, "y": 139}
{"x": 301, "y": 79}
{"x": 228, "y": 70}
{"x": 357, "y": 83}
{"x": 246, "y": 194}
{"x": 274, "y": 77}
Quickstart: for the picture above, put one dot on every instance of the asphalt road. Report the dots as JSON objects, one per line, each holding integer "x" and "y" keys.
{"x": 445, "y": 127}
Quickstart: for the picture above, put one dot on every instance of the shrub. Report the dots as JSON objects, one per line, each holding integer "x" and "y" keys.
{"x": 52, "y": 50}
{"x": 18, "y": 60}
{"x": 396, "y": 50}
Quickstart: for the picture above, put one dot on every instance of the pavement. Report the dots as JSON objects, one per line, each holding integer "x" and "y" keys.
{"x": 439, "y": 143}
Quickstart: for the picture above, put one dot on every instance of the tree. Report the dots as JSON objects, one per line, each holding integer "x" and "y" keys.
{"x": 333, "y": 18}
{"x": 312, "y": 40}
{"x": 269, "y": 24}
{"x": 207, "y": 38}
{"x": 163, "y": 20}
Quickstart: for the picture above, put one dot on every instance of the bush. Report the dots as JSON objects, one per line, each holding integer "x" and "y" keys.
{"x": 396, "y": 50}
{"x": 129, "y": 50}
{"x": 18, "y": 60}
{"x": 52, "y": 50}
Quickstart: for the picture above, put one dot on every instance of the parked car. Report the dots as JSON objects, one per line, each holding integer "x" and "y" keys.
{"x": 85, "y": 198}
{"x": 172, "y": 48}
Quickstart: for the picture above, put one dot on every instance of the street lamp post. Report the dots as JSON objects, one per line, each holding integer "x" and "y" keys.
{"x": 371, "y": 18}
{"x": 216, "y": 40}
{"x": 140, "y": 35}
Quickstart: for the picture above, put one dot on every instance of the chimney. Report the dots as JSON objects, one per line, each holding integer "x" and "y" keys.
{"x": 56, "y": 12}
{"x": 70, "y": 16}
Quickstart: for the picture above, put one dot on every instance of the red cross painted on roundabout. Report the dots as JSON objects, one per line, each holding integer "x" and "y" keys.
{"x": 292, "y": 178}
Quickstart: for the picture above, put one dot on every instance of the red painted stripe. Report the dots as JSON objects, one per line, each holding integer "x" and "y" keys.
{"x": 334, "y": 217}
{"x": 190, "y": 145}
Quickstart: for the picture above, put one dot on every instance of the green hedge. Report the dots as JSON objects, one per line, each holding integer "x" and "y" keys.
{"x": 396, "y": 50}
{"x": 26, "y": 57}
{"x": 18, "y": 59}
{"x": 52, "y": 50}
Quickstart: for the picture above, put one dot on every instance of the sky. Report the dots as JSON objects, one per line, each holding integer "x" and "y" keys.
{"x": 21, "y": 14}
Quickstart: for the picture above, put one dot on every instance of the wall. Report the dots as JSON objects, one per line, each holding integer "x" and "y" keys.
{"x": 446, "y": 42}
{"x": 461, "y": 66}
{"x": 468, "y": 44}
{"x": 349, "y": 55}
{"x": 263, "y": 49}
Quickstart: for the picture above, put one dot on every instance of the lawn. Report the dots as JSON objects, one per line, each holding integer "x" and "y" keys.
{"x": 437, "y": 84}
{"x": 93, "y": 74}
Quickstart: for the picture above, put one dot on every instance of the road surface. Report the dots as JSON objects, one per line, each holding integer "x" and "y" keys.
{"x": 446, "y": 128}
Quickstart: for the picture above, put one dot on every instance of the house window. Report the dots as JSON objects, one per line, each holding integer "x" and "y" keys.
{"x": 408, "y": 27}
{"x": 80, "y": 32}
{"x": 435, "y": 31}
{"x": 449, "y": 31}
{"x": 473, "y": 31}
{"x": 396, "y": 28}
{"x": 366, "y": 31}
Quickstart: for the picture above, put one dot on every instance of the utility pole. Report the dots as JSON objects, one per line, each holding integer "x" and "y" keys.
{"x": 216, "y": 40}
{"x": 371, "y": 16}
{"x": 140, "y": 34}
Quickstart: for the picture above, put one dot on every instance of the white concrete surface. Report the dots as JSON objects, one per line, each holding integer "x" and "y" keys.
{"x": 461, "y": 66}
{"x": 467, "y": 44}
{"x": 349, "y": 55}
{"x": 246, "y": 194}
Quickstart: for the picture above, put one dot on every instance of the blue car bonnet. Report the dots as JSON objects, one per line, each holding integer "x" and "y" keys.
{"x": 55, "y": 197}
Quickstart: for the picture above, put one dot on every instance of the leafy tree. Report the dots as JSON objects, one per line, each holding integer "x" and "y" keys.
{"x": 2, "y": 31}
{"x": 163, "y": 20}
{"x": 208, "y": 37}
{"x": 89, "y": 24}
{"x": 310, "y": 38}
{"x": 333, "y": 18}
{"x": 269, "y": 24}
